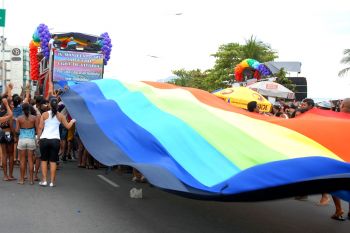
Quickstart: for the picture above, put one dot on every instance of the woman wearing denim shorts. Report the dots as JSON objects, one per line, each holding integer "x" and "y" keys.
{"x": 26, "y": 126}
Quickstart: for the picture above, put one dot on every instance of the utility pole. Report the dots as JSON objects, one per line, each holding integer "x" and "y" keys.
{"x": 3, "y": 40}
{"x": 3, "y": 65}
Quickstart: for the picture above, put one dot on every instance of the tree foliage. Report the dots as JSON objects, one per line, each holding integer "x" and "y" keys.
{"x": 191, "y": 78}
{"x": 284, "y": 81}
{"x": 227, "y": 57}
{"x": 345, "y": 60}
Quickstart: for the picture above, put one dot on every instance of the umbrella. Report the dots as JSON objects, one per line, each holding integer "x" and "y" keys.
{"x": 241, "y": 96}
{"x": 272, "y": 89}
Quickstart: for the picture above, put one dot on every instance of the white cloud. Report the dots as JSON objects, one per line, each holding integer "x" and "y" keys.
{"x": 314, "y": 33}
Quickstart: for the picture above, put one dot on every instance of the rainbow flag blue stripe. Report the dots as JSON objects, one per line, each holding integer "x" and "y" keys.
{"x": 184, "y": 143}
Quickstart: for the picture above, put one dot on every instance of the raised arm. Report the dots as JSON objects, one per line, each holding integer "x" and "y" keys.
{"x": 51, "y": 88}
{"x": 27, "y": 93}
{"x": 64, "y": 121}
{"x": 8, "y": 91}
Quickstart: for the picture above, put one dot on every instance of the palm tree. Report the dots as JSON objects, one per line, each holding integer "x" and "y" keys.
{"x": 345, "y": 60}
{"x": 258, "y": 50}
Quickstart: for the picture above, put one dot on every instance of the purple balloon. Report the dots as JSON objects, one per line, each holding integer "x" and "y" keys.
{"x": 106, "y": 47}
{"x": 44, "y": 36}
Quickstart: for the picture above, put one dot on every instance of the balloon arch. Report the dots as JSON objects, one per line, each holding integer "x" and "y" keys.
{"x": 257, "y": 69}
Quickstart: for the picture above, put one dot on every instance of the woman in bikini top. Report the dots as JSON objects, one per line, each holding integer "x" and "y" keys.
{"x": 4, "y": 125}
{"x": 6, "y": 140}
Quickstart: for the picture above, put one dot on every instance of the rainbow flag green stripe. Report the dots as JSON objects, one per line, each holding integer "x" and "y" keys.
{"x": 247, "y": 135}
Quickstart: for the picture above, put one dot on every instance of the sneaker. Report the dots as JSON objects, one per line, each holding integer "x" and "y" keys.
{"x": 52, "y": 184}
{"x": 43, "y": 183}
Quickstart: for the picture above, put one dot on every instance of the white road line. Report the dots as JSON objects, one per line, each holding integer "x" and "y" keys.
{"x": 108, "y": 181}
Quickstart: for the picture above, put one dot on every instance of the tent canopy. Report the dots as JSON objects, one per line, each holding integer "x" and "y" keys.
{"x": 77, "y": 36}
{"x": 275, "y": 66}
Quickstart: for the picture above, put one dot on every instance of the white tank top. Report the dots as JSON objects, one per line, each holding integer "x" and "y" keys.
{"x": 51, "y": 128}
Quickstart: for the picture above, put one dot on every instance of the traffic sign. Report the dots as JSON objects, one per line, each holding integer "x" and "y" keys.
{"x": 2, "y": 17}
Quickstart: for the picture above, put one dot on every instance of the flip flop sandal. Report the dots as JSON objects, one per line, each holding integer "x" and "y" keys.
{"x": 338, "y": 217}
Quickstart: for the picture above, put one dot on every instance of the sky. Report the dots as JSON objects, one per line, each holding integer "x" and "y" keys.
{"x": 184, "y": 33}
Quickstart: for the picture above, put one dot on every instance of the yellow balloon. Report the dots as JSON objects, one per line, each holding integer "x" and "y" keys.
{"x": 244, "y": 64}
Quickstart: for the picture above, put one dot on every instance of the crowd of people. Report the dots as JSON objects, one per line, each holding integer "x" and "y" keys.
{"x": 30, "y": 134}
{"x": 294, "y": 109}
{"x": 37, "y": 134}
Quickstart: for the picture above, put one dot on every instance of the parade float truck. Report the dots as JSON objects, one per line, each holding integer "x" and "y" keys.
{"x": 60, "y": 59}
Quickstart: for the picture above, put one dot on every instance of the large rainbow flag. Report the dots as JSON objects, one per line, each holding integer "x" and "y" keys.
{"x": 189, "y": 142}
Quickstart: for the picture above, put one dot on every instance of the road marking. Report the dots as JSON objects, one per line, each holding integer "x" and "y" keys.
{"x": 108, "y": 181}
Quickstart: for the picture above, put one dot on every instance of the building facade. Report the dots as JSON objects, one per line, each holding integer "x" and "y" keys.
{"x": 17, "y": 66}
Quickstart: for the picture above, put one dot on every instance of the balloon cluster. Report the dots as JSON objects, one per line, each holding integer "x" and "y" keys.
{"x": 34, "y": 66}
{"x": 41, "y": 38}
{"x": 106, "y": 47}
{"x": 262, "y": 68}
{"x": 259, "y": 69}
{"x": 45, "y": 36}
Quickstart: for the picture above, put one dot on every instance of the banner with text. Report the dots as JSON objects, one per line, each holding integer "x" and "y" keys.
{"x": 77, "y": 66}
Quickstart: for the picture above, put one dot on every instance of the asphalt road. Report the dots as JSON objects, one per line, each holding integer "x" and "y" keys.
{"x": 84, "y": 202}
